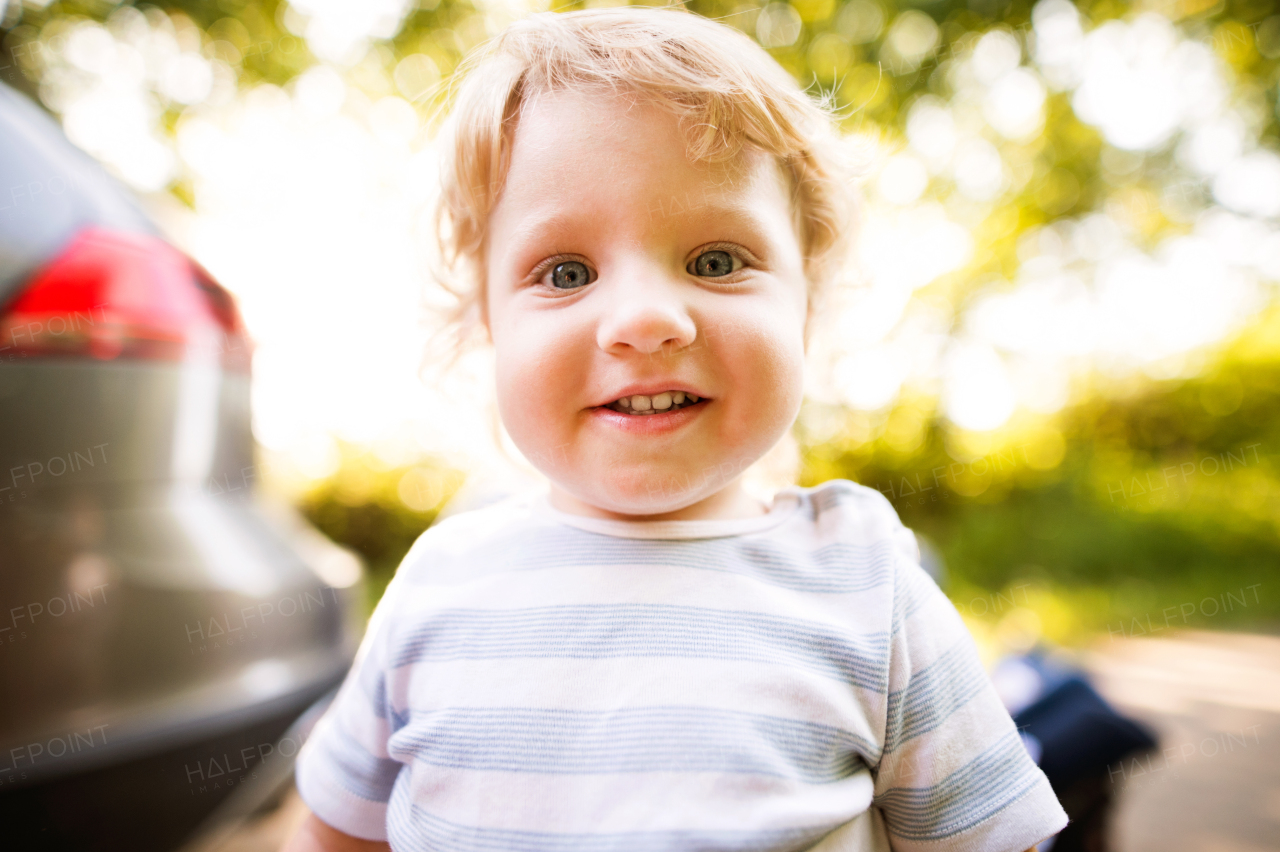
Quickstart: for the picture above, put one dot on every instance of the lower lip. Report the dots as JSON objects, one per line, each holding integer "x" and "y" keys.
{"x": 648, "y": 424}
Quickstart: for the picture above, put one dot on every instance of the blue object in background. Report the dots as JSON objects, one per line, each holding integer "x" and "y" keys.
{"x": 1075, "y": 736}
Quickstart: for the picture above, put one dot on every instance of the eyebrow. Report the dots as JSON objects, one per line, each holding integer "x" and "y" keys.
{"x": 737, "y": 216}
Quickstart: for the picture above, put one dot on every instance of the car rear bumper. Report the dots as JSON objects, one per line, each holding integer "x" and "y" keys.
{"x": 189, "y": 793}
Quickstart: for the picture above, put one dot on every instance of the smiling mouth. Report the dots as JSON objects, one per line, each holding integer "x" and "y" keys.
{"x": 657, "y": 404}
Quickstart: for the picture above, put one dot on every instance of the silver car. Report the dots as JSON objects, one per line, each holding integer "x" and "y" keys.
{"x": 166, "y": 636}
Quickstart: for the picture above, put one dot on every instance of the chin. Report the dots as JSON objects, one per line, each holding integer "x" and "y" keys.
{"x": 646, "y": 495}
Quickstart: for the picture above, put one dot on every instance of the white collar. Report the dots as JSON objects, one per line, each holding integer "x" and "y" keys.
{"x": 785, "y": 503}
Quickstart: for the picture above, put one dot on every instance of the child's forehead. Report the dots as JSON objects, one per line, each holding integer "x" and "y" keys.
{"x": 610, "y": 118}
{"x": 595, "y": 156}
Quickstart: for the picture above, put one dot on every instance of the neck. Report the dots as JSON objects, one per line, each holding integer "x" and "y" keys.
{"x": 728, "y": 503}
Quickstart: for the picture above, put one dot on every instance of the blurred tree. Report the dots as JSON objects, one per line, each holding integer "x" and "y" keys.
{"x": 378, "y": 510}
{"x": 1145, "y": 490}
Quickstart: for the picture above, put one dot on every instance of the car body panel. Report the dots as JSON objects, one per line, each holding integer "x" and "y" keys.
{"x": 157, "y": 612}
{"x": 51, "y": 189}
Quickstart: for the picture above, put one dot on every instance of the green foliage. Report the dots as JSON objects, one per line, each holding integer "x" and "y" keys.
{"x": 377, "y": 510}
{"x": 1162, "y": 495}
{"x": 246, "y": 34}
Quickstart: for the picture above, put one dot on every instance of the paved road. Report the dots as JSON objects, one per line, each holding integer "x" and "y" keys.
{"x": 1214, "y": 700}
{"x": 268, "y": 833}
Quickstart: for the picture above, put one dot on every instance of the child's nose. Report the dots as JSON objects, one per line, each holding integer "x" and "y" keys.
{"x": 646, "y": 314}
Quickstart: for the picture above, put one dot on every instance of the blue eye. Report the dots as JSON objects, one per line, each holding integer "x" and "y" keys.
{"x": 570, "y": 275}
{"x": 713, "y": 264}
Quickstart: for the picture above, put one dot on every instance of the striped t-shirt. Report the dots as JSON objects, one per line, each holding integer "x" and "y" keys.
{"x": 545, "y": 682}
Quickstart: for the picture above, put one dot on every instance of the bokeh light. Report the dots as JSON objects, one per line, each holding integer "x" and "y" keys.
{"x": 1066, "y": 207}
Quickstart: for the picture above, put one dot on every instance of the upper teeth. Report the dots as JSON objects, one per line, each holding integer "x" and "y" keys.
{"x": 641, "y": 404}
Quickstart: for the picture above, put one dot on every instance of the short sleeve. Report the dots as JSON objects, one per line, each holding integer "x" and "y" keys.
{"x": 953, "y": 774}
{"x": 344, "y": 773}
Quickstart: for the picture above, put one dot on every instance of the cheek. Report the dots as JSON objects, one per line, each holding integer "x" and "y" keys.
{"x": 536, "y": 377}
{"x": 522, "y": 376}
{"x": 766, "y": 360}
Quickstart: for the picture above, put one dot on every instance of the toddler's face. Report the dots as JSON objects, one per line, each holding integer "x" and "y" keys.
{"x": 619, "y": 269}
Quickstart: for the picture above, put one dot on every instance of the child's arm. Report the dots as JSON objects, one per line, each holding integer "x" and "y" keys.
{"x": 343, "y": 772}
{"x": 954, "y": 773}
{"x": 315, "y": 835}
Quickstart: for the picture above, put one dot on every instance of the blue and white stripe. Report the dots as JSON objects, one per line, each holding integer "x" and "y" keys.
{"x": 645, "y": 630}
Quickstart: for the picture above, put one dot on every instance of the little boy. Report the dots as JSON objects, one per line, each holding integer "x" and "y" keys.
{"x": 645, "y": 657}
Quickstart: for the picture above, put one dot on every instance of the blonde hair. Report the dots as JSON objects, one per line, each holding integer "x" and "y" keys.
{"x": 726, "y": 90}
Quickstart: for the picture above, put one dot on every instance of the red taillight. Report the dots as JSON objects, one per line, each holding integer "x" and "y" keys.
{"x": 112, "y": 295}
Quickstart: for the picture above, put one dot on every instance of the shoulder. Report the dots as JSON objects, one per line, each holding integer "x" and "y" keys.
{"x": 855, "y": 511}
{"x": 466, "y": 534}
{"x": 862, "y": 516}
